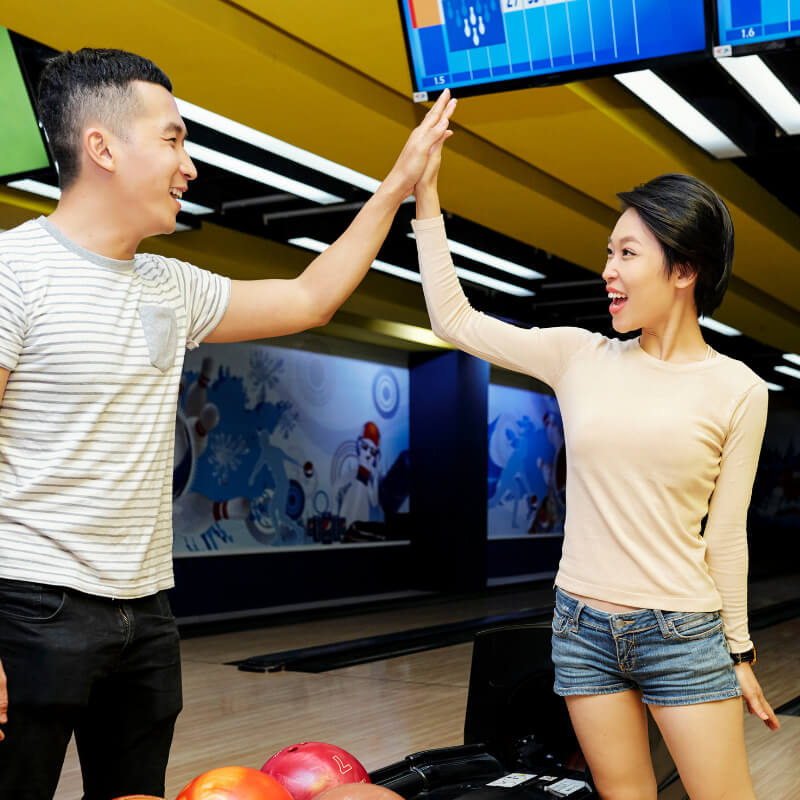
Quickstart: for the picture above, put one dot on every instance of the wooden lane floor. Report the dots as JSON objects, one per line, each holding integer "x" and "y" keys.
{"x": 385, "y": 710}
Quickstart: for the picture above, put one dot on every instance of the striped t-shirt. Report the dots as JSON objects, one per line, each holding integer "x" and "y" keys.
{"x": 95, "y": 351}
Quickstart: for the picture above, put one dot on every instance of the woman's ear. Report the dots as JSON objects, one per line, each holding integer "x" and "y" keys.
{"x": 685, "y": 276}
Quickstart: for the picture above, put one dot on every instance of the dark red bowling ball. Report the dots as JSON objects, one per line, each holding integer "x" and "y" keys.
{"x": 308, "y": 768}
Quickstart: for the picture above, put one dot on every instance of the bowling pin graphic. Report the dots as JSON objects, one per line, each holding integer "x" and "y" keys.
{"x": 194, "y": 513}
{"x": 200, "y": 427}
{"x": 196, "y": 397}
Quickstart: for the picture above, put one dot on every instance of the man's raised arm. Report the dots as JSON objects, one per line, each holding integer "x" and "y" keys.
{"x": 265, "y": 308}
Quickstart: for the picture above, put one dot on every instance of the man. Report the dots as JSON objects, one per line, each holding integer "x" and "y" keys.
{"x": 92, "y": 338}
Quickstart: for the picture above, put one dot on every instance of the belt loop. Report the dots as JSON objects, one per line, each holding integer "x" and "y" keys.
{"x": 662, "y": 624}
{"x": 576, "y": 615}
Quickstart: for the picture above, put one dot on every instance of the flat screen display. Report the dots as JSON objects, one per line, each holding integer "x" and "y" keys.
{"x": 23, "y": 150}
{"x": 756, "y": 21}
{"x": 475, "y": 46}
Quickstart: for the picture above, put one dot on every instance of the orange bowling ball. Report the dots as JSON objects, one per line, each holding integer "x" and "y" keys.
{"x": 234, "y": 783}
{"x": 358, "y": 791}
{"x": 309, "y": 768}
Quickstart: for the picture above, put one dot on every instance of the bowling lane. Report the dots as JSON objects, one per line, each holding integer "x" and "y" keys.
{"x": 384, "y": 710}
{"x": 434, "y": 611}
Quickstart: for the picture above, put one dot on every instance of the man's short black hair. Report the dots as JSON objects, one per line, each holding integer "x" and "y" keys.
{"x": 89, "y": 85}
{"x": 695, "y": 230}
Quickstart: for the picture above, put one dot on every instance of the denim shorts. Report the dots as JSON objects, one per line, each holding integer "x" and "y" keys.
{"x": 675, "y": 658}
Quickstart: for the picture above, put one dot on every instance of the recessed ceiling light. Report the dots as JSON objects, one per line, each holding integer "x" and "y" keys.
{"x": 719, "y": 327}
{"x": 474, "y": 254}
{"x": 46, "y": 190}
{"x": 492, "y": 283}
{"x": 795, "y": 373}
{"x": 774, "y": 387}
{"x": 663, "y": 99}
{"x": 266, "y": 176}
{"x": 36, "y": 187}
{"x": 237, "y": 130}
{"x": 194, "y": 208}
{"x": 401, "y": 272}
{"x": 793, "y": 357}
{"x": 764, "y": 86}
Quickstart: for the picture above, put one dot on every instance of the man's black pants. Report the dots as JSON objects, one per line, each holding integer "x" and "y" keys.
{"x": 107, "y": 670}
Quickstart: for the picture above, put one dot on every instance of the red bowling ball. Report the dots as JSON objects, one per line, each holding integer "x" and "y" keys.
{"x": 308, "y": 768}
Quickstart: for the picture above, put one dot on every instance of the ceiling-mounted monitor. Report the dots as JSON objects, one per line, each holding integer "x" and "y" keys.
{"x": 478, "y": 46}
{"x": 23, "y": 151}
{"x": 757, "y": 23}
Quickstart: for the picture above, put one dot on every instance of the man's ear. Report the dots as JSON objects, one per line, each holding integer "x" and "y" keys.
{"x": 97, "y": 145}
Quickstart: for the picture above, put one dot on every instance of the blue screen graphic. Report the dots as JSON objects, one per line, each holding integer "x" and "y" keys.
{"x": 753, "y": 21}
{"x": 463, "y": 43}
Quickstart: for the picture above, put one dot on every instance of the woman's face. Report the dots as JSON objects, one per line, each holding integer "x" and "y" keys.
{"x": 640, "y": 291}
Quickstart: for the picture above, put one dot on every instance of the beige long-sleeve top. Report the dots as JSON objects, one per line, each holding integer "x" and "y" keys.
{"x": 652, "y": 447}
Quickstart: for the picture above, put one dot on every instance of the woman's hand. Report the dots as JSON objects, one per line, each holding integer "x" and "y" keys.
{"x": 756, "y": 702}
{"x": 3, "y": 700}
{"x": 426, "y": 190}
{"x": 424, "y": 139}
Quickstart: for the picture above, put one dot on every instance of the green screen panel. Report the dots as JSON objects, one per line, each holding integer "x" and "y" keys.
{"x": 21, "y": 146}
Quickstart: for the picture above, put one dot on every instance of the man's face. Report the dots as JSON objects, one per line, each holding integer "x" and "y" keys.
{"x": 153, "y": 169}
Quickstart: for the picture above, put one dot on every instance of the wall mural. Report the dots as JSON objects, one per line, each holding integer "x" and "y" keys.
{"x": 527, "y": 464}
{"x": 276, "y": 447}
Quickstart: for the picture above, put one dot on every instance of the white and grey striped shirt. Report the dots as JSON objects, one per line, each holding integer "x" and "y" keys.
{"x": 95, "y": 348}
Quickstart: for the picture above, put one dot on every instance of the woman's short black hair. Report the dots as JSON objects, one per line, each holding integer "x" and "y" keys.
{"x": 89, "y": 84}
{"x": 695, "y": 230}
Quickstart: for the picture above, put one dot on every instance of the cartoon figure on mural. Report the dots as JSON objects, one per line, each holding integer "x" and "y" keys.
{"x": 354, "y": 475}
{"x": 196, "y": 517}
{"x": 273, "y": 459}
{"x": 259, "y": 456}
{"x": 527, "y": 470}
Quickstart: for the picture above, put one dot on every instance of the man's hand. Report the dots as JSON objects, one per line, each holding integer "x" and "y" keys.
{"x": 3, "y": 700}
{"x": 265, "y": 308}
{"x": 754, "y": 697}
{"x": 426, "y": 139}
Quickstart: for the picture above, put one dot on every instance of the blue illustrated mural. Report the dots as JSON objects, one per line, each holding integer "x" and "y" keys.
{"x": 277, "y": 447}
{"x": 527, "y": 464}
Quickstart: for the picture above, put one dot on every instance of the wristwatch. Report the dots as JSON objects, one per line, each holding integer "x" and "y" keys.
{"x": 748, "y": 656}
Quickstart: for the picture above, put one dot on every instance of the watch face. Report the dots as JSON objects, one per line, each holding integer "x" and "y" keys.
{"x": 746, "y": 656}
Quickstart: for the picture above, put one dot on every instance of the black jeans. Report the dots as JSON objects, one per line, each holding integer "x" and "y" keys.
{"x": 107, "y": 670}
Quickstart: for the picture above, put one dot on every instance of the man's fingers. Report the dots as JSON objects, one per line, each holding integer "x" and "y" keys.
{"x": 436, "y": 130}
{"x": 441, "y": 109}
{"x": 437, "y": 145}
{"x": 441, "y": 102}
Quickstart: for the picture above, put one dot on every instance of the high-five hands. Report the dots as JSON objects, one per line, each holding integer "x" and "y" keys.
{"x": 424, "y": 143}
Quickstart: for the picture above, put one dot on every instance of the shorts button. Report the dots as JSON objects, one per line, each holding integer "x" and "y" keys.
{"x": 620, "y": 623}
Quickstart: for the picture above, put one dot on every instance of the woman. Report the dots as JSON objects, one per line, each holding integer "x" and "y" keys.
{"x": 661, "y": 432}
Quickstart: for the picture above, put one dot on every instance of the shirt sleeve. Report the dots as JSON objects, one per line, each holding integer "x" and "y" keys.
{"x": 13, "y": 318}
{"x": 205, "y": 295}
{"x": 543, "y": 353}
{"x": 726, "y": 527}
